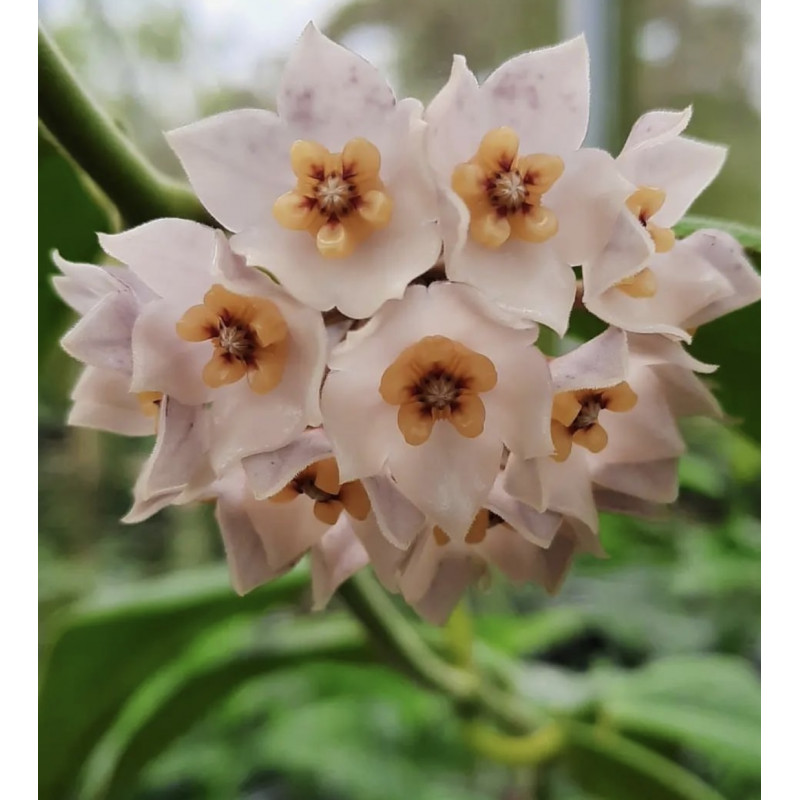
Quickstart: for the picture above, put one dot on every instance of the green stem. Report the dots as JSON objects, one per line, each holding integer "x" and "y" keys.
{"x": 91, "y": 138}
{"x": 402, "y": 646}
{"x": 515, "y": 751}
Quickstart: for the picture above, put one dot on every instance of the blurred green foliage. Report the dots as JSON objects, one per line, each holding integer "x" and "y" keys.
{"x": 158, "y": 683}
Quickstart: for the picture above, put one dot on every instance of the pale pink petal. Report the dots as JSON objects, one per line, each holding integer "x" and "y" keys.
{"x": 656, "y": 127}
{"x": 456, "y": 121}
{"x": 686, "y": 282}
{"x": 551, "y": 566}
{"x": 81, "y": 286}
{"x": 287, "y": 530}
{"x": 546, "y": 485}
{"x": 628, "y": 249}
{"x": 448, "y": 477}
{"x": 358, "y": 456}
{"x": 327, "y": 87}
{"x": 513, "y": 555}
{"x": 533, "y": 526}
{"x": 645, "y": 433}
{"x": 727, "y": 256}
{"x": 528, "y": 279}
{"x": 102, "y": 400}
{"x": 102, "y": 337}
{"x": 646, "y": 350}
{"x": 655, "y": 481}
{"x": 172, "y": 256}
{"x": 244, "y": 550}
{"x": 617, "y": 503}
{"x": 237, "y": 163}
{"x": 686, "y": 394}
{"x": 454, "y": 577}
{"x": 162, "y": 361}
{"x": 267, "y": 473}
{"x": 544, "y": 96}
{"x": 400, "y": 521}
{"x": 179, "y": 461}
{"x": 338, "y": 555}
{"x": 518, "y": 408}
{"x": 587, "y": 199}
{"x": 385, "y": 558}
{"x": 598, "y": 363}
{"x": 681, "y": 167}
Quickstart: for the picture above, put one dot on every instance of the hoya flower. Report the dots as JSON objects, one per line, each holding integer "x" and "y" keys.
{"x": 614, "y": 425}
{"x": 293, "y": 501}
{"x": 430, "y": 391}
{"x": 223, "y": 333}
{"x": 331, "y": 194}
{"x": 525, "y": 545}
{"x": 643, "y": 280}
{"x": 520, "y": 202}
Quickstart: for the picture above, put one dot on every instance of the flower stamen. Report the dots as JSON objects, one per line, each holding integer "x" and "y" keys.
{"x": 438, "y": 379}
{"x": 339, "y": 198}
{"x": 503, "y": 191}
{"x": 575, "y": 417}
{"x": 249, "y": 335}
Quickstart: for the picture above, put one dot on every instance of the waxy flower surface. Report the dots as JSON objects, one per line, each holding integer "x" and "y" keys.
{"x": 222, "y": 333}
{"x": 332, "y": 194}
{"x": 520, "y": 202}
{"x": 439, "y": 383}
{"x": 416, "y": 428}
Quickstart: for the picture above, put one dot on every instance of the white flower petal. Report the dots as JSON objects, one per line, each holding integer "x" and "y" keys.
{"x": 617, "y": 503}
{"x": 628, "y": 248}
{"x": 81, "y": 286}
{"x": 326, "y": 87}
{"x": 172, "y": 256}
{"x": 456, "y": 121}
{"x": 162, "y": 361}
{"x": 596, "y": 364}
{"x": 656, "y": 127}
{"x": 287, "y": 530}
{"x": 338, "y": 555}
{"x": 385, "y": 558}
{"x": 448, "y": 477}
{"x": 646, "y": 350}
{"x": 528, "y": 279}
{"x": 551, "y": 566}
{"x": 102, "y": 400}
{"x": 681, "y": 167}
{"x": 237, "y": 163}
{"x": 587, "y": 199}
{"x": 177, "y": 469}
{"x": 686, "y": 394}
{"x": 654, "y": 481}
{"x": 453, "y": 578}
{"x": 244, "y": 550}
{"x": 399, "y": 519}
{"x": 513, "y": 555}
{"x": 727, "y": 256}
{"x": 685, "y": 283}
{"x": 267, "y": 473}
{"x": 544, "y": 96}
{"x": 533, "y": 526}
{"x": 102, "y": 337}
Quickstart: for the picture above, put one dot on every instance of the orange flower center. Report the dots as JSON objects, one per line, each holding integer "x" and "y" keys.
{"x": 503, "y": 191}
{"x": 575, "y": 417}
{"x": 320, "y": 483}
{"x": 436, "y": 379}
{"x": 249, "y": 335}
{"x": 339, "y": 197}
{"x": 643, "y": 204}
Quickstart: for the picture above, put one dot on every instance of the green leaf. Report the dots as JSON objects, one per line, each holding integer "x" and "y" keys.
{"x": 611, "y": 767}
{"x": 532, "y": 634}
{"x": 195, "y": 695}
{"x": 708, "y": 704}
{"x": 109, "y": 647}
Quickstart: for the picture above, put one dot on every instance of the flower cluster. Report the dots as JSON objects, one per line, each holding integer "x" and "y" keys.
{"x": 351, "y": 370}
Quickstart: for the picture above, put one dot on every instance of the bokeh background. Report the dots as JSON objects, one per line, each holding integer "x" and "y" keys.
{"x": 660, "y": 641}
